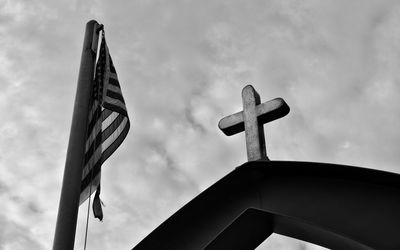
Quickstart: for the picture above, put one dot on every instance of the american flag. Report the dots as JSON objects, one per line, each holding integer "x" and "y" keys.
{"x": 108, "y": 125}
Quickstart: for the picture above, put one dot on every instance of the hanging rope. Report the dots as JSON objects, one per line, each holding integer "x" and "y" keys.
{"x": 87, "y": 214}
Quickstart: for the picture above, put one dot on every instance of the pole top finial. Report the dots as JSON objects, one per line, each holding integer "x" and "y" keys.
{"x": 100, "y": 28}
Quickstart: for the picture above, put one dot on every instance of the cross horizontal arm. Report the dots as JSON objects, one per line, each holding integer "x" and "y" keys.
{"x": 266, "y": 112}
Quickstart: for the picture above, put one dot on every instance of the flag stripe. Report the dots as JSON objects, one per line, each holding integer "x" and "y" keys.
{"x": 107, "y": 153}
{"x": 109, "y": 120}
{"x": 85, "y": 191}
{"x": 94, "y": 134}
{"x": 94, "y": 118}
{"x": 114, "y": 134}
{"x": 115, "y": 89}
{"x": 116, "y": 108}
{"x": 96, "y": 137}
{"x": 93, "y": 107}
{"x": 93, "y": 146}
{"x": 105, "y": 115}
{"x": 114, "y": 126}
{"x": 115, "y": 96}
{"x": 114, "y": 102}
{"x": 95, "y": 171}
{"x": 112, "y": 69}
{"x": 113, "y": 81}
{"x": 94, "y": 159}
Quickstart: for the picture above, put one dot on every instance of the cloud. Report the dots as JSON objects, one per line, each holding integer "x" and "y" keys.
{"x": 16, "y": 236}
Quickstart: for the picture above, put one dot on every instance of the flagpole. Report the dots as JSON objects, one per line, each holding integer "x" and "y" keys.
{"x": 69, "y": 200}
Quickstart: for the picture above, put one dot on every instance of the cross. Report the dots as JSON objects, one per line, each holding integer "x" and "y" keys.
{"x": 251, "y": 120}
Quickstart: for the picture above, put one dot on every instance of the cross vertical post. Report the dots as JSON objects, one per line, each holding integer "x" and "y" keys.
{"x": 254, "y": 131}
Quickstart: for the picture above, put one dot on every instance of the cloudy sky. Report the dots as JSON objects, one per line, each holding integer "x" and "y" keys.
{"x": 182, "y": 65}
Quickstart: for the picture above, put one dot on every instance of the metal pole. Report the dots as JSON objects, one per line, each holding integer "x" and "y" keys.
{"x": 69, "y": 201}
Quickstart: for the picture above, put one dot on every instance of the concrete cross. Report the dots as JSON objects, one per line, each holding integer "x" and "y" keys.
{"x": 252, "y": 119}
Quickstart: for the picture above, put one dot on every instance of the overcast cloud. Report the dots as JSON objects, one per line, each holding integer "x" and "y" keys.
{"x": 182, "y": 65}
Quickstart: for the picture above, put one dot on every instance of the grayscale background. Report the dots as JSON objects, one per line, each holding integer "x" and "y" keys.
{"x": 181, "y": 66}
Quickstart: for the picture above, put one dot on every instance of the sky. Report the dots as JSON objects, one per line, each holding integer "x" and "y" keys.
{"x": 182, "y": 65}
